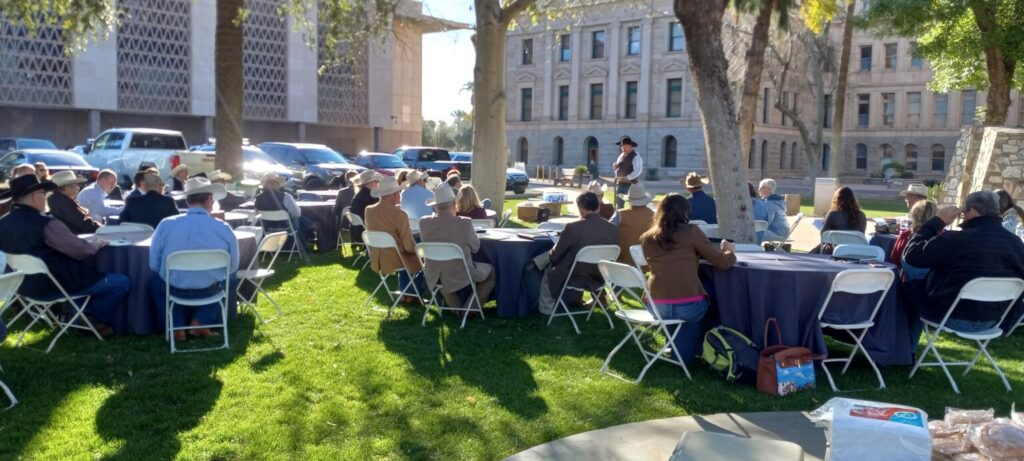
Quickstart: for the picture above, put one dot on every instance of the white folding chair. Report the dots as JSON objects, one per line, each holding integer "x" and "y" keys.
{"x": 639, "y": 260}
{"x": 255, "y": 275}
{"x": 505, "y": 218}
{"x": 124, "y": 227}
{"x": 793, "y": 222}
{"x": 381, "y": 241}
{"x": 40, "y": 308}
{"x": 355, "y": 221}
{"x": 842, "y": 237}
{"x": 710, "y": 230}
{"x": 483, "y": 223}
{"x": 863, "y": 282}
{"x": 9, "y": 284}
{"x": 862, "y": 252}
{"x": 551, "y": 226}
{"x": 254, "y": 230}
{"x": 760, "y": 225}
{"x": 197, "y": 261}
{"x": 277, "y": 220}
{"x": 982, "y": 289}
{"x": 587, "y": 255}
{"x": 438, "y": 252}
{"x": 620, "y": 277}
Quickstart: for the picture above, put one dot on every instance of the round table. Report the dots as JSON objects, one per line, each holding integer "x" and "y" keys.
{"x": 325, "y": 195}
{"x": 232, "y": 218}
{"x": 137, "y": 313}
{"x": 885, "y": 242}
{"x": 791, "y": 288}
{"x": 321, "y": 212}
{"x": 517, "y": 278}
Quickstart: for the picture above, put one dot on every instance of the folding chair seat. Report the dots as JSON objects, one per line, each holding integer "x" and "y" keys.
{"x": 862, "y": 282}
{"x": 621, "y": 278}
{"x": 439, "y": 252}
{"x": 196, "y": 261}
{"x": 592, "y": 254}
{"x": 279, "y": 220}
{"x": 842, "y": 237}
{"x": 9, "y": 284}
{"x": 982, "y": 289}
{"x": 256, "y": 275}
{"x": 382, "y": 241}
{"x": 862, "y": 252}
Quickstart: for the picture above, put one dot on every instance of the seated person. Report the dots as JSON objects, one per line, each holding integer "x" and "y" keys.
{"x": 468, "y": 204}
{"x": 775, "y": 204}
{"x": 590, "y": 229}
{"x": 93, "y": 196}
{"x": 64, "y": 207}
{"x": 702, "y": 206}
{"x": 845, "y": 215}
{"x": 231, "y": 201}
{"x": 920, "y": 213}
{"x": 445, "y": 226}
{"x": 193, "y": 230}
{"x": 633, "y": 220}
{"x": 454, "y": 181}
{"x": 345, "y": 196}
{"x": 1009, "y": 211}
{"x": 415, "y": 196}
{"x": 759, "y": 208}
{"x": 42, "y": 172}
{"x": 27, "y": 230}
{"x": 151, "y": 207}
{"x": 274, "y": 198}
{"x": 176, "y": 183}
{"x": 137, "y": 188}
{"x": 387, "y": 216}
{"x": 673, "y": 249}
{"x": 607, "y": 210}
{"x": 367, "y": 181}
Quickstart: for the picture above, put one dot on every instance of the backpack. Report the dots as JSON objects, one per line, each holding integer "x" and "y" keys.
{"x": 731, "y": 354}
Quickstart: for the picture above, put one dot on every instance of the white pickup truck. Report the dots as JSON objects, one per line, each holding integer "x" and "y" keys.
{"x": 124, "y": 150}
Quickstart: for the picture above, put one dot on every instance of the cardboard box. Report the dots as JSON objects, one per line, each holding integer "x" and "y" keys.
{"x": 555, "y": 209}
{"x": 527, "y": 212}
{"x": 793, "y": 204}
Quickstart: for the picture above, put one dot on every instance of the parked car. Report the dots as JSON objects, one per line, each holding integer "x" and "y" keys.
{"x": 256, "y": 163}
{"x": 383, "y": 163}
{"x": 315, "y": 164}
{"x": 516, "y": 180}
{"x": 12, "y": 144}
{"x": 78, "y": 149}
{"x": 434, "y": 160}
{"x": 124, "y": 150}
{"x": 54, "y": 159}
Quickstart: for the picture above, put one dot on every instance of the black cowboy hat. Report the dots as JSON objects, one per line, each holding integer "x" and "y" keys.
{"x": 626, "y": 140}
{"x": 27, "y": 184}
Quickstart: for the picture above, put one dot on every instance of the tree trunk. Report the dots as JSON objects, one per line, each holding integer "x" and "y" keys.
{"x": 227, "y": 123}
{"x": 752, "y": 76}
{"x": 999, "y": 66}
{"x": 702, "y": 28}
{"x": 839, "y": 98}
{"x": 490, "y": 155}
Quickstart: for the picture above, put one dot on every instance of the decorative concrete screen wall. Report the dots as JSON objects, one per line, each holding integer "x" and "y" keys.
{"x": 34, "y": 70}
{"x": 154, "y": 56}
{"x": 986, "y": 159}
{"x": 265, "y": 61}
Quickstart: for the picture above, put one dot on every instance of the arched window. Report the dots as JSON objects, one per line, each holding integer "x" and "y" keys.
{"x": 559, "y": 151}
{"x": 523, "y": 149}
{"x": 938, "y": 157}
{"x": 910, "y": 153}
{"x": 826, "y": 150}
{"x": 793, "y": 155}
{"x": 887, "y": 155}
{"x": 764, "y": 154}
{"x": 668, "y": 152}
{"x": 782, "y": 156}
{"x": 862, "y": 157}
{"x": 590, "y": 147}
{"x": 750, "y": 156}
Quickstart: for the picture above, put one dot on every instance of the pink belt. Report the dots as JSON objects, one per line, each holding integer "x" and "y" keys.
{"x": 691, "y": 299}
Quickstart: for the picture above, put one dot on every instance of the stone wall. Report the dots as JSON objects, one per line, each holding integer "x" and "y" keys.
{"x": 986, "y": 159}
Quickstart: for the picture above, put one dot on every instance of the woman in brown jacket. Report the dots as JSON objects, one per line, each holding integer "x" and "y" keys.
{"x": 673, "y": 249}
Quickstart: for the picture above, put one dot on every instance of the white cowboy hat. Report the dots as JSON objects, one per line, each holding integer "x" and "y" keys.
{"x": 217, "y": 174}
{"x": 694, "y": 180}
{"x": 388, "y": 186}
{"x": 201, "y": 185}
{"x": 597, "y": 187}
{"x": 366, "y": 177}
{"x": 443, "y": 194}
{"x": 637, "y": 195}
{"x": 912, "y": 189}
{"x": 179, "y": 169}
{"x": 64, "y": 178}
{"x": 433, "y": 182}
{"x": 414, "y": 177}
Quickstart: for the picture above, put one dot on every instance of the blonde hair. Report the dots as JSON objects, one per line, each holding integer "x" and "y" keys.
{"x": 467, "y": 200}
{"x": 921, "y": 212}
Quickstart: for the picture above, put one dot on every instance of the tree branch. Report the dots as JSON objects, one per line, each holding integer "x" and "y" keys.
{"x": 510, "y": 11}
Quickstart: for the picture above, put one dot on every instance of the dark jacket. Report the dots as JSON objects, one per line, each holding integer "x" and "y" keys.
{"x": 344, "y": 199}
{"x": 841, "y": 221}
{"x": 982, "y": 248}
{"x": 592, "y": 230}
{"x": 71, "y": 214}
{"x": 231, "y": 202}
{"x": 361, "y": 200}
{"x": 21, "y": 232}
{"x": 149, "y": 208}
{"x": 702, "y": 208}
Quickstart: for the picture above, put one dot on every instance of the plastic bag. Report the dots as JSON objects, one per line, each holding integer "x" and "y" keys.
{"x": 951, "y": 446}
{"x": 958, "y": 416}
{"x": 999, "y": 439}
{"x": 1017, "y": 418}
{"x": 942, "y": 429}
{"x": 895, "y": 432}
{"x": 972, "y": 456}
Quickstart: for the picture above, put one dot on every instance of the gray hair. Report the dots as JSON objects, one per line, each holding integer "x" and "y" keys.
{"x": 986, "y": 203}
{"x": 769, "y": 183}
{"x": 444, "y": 206}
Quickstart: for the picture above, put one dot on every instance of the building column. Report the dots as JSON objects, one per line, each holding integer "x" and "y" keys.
{"x": 207, "y": 128}
{"x": 612, "y": 92}
{"x": 94, "y": 78}
{"x": 301, "y": 131}
{"x": 302, "y": 75}
{"x": 94, "y": 123}
{"x": 204, "y": 28}
{"x": 574, "y": 80}
{"x": 643, "y": 105}
{"x": 549, "y": 50}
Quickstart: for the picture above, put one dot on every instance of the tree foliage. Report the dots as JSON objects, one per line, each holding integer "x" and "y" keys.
{"x": 456, "y": 135}
{"x": 79, "y": 20}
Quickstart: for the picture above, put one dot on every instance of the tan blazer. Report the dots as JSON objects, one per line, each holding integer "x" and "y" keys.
{"x": 592, "y": 230}
{"x": 633, "y": 222}
{"x": 674, "y": 267}
{"x": 385, "y": 217}
{"x": 458, "y": 230}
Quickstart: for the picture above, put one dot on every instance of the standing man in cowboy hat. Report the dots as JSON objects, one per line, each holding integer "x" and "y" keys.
{"x": 64, "y": 207}
{"x": 702, "y": 207}
{"x": 446, "y": 227}
{"x": 627, "y": 167}
{"x": 178, "y": 177}
{"x": 367, "y": 182}
{"x": 634, "y": 221}
{"x": 230, "y": 201}
{"x": 152, "y": 206}
{"x": 195, "y": 229}
{"x": 914, "y": 193}
{"x": 415, "y": 196}
{"x": 27, "y": 230}
{"x": 607, "y": 211}
{"x": 387, "y": 216}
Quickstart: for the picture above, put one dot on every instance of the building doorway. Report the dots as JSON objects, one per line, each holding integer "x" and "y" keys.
{"x": 593, "y": 159}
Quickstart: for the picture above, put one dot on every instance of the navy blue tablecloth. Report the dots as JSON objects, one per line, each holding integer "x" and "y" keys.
{"x": 885, "y": 242}
{"x": 792, "y": 288}
{"x": 518, "y": 281}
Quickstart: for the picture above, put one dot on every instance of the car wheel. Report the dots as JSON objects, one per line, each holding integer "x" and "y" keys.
{"x": 519, "y": 191}
{"x": 314, "y": 183}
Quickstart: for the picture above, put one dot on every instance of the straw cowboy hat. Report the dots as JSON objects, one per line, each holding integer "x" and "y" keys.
{"x": 597, "y": 187}
{"x": 694, "y": 180}
{"x": 64, "y": 178}
{"x": 179, "y": 169}
{"x": 915, "y": 189}
{"x": 637, "y": 195}
{"x": 388, "y": 186}
{"x": 433, "y": 182}
{"x": 366, "y": 177}
{"x": 217, "y": 174}
{"x": 197, "y": 186}
{"x": 27, "y": 184}
{"x": 414, "y": 177}
{"x": 443, "y": 194}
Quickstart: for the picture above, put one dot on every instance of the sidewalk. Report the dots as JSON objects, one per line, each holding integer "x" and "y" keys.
{"x": 784, "y": 186}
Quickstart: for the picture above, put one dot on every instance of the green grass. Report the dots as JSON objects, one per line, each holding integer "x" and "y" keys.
{"x": 873, "y": 208}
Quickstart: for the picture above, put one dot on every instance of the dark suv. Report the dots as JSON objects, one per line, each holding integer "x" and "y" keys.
{"x": 316, "y": 164}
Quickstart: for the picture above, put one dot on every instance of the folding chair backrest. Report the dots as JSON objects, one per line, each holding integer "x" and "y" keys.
{"x": 551, "y": 226}
{"x": 710, "y": 230}
{"x": 637, "y": 253}
{"x": 841, "y": 237}
{"x": 439, "y": 251}
{"x": 851, "y": 250}
{"x": 794, "y": 221}
{"x": 760, "y": 225}
{"x": 378, "y": 239}
{"x": 749, "y": 248}
{"x": 621, "y": 275}
{"x": 990, "y": 289}
{"x": 272, "y": 243}
{"x": 505, "y": 217}
{"x": 353, "y": 219}
{"x": 863, "y": 281}
{"x": 9, "y": 284}
{"x": 483, "y": 223}
{"x": 594, "y": 254}
{"x": 27, "y": 264}
{"x": 197, "y": 260}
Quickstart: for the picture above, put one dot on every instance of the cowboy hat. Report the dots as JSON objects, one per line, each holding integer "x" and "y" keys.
{"x": 197, "y": 186}
{"x": 64, "y": 178}
{"x": 443, "y": 194}
{"x": 637, "y": 195}
{"x": 915, "y": 189}
{"x": 626, "y": 140}
{"x": 366, "y": 177}
{"x": 694, "y": 180}
{"x": 597, "y": 187}
{"x": 388, "y": 186}
{"x": 179, "y": 169}
{"x": 270, "y": 177}
{"x": 27, "y": 184}
{"x": 433, "y": 182}
{"x": 217, "y": 174}
{"x": 414, "y": 177}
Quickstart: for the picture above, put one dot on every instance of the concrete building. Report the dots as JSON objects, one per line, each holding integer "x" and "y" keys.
{"x": 156, "y": 69}
{"x": 573, "y": 91}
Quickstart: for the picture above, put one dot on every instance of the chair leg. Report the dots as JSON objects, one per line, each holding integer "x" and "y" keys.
{"x": 79, "y": 313}
{"x": 271, "y": 300}
{"x": 369, "y": 299}
{"x": 608, "y": 360}
{"x": 10, "y": 395}
{"x": 999, "y": 371}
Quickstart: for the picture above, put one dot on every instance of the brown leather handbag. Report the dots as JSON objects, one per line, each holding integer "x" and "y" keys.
{"x": 783, "y": 370}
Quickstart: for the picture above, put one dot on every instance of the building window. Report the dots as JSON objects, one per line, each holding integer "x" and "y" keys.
{"x": 865, "y": 58}
{"x": 631, "y": 89}
{"x": 890, "y": 55}
{"x": 592, "y": 149}
{"x": 888, "y": 109}
{"x": 527, "y": 51}
{"x": 750, "y": 156}
{"x": 910, "y": 155}
{"x": 887, "y": 155}
{"x": 596, "y": 101}
{"x": 828, "y": 111}
{"x": 524, "y": 150}
{"x": 668, "y": 152}
{"x": 526, "y": 99}
{"x": 633, "y": 46}
{"x": 764, "y": 154}
{"x": 674, "y": 98}
{"x": 793, "y": 154}
{"x": 863, "y": 109}
{"x": 968, "y": 104}
{"x": 785, "y": 100}
{"x": 826, "y": 151}
{"x": 862, "y": 157}
{"x": 940, "y": 114}
{"x": 559, "y": 151}
{"x": 782, "y": 156}
{"x": 916, "y": 62}
{"x": 597, "y": 44}
{"x": 563, "y": 102}
{"x": 913, "y": 109}
{"x": 565, "y": 47}
{"x": 675, "y": 37}
{"x": 764, "y": 106}
{"x": 938, "y": 157}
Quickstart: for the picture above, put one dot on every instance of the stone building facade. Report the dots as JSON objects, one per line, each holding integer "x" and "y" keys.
{"x": 573, "y": 91}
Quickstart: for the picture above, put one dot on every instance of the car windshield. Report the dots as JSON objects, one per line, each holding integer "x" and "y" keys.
{"x": 461, "y": 157}
{"x": 250, "y": 154}
{"x": 36, "y": 144}
{"x": 157, "y": 141}
{"x": 322, "y": 155}
{"x": 389, "y": 161}
{"x": 57, "y": 159}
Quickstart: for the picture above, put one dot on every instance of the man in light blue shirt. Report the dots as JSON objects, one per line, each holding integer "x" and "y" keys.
{"x": 416, "y": 195}
{"x": 194, "y": 230}
{"x": 92, "y": 196}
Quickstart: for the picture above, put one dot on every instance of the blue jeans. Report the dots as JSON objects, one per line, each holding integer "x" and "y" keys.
{"x": 620, "y": 190}
{"x": 688, "y": 337}
{"x": 184, "y": 315}
{"x": 421, "y": 283}
{"x": 105, "y": 297}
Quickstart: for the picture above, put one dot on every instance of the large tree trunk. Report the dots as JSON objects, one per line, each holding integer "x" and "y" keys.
{"x": 835, "y": 164}
{"x": 999, "y": 66}
{"x": 702, "y": 27}
{"x": 489, "y": 143}
{"x": 752, "y": 76}
{"x": 227, "y": 123}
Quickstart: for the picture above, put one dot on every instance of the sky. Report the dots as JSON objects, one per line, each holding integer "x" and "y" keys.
{"x": 448, "y": 60}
